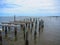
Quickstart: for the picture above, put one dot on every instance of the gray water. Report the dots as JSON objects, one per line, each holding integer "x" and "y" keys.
{"x": 49, "y": 36}
{"x": 51, "y": 33}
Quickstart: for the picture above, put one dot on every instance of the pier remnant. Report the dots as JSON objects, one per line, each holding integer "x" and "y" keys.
{"x": 5, "y": 31}
{"x": 3, "y": 28}
{"x": 9, "y": 28}
{"x": 39, "y": 26}
{"x": 0, "y": 38}
{"x": 42, "y": 24}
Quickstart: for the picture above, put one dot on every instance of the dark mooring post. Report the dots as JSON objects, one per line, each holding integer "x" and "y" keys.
{"x": 26, "y": 41}
{"x": 21, "y": 26}
{"x": 42, "y": 24}
{"x": 31, "y": 26}
{"x": 33, "y": 19}
{"x": 24, "y": 32}
{"x": 0, "y": 38}
{"x": 39, "y": 26}
{"x": 9, "y": 28}
{"x": 5, "y": 31}
{"x": 36, "y": 24}
{"x": 25, "y": 27}
{"x": 15, "y": 33}
{"x": 3, "y": 28}
{"x": 35, "y": 33}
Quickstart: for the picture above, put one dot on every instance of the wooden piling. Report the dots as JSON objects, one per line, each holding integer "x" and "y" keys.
{"x": 24, "y": 32}
{"x": 3, "y": 28}
{"x": 39, "y": 26}
{"x": 9, "y": 28}
{"x": 0, "y": 38}
{"x": 35, "y": 33}
{"x": 21, "y": 26}
{"x": 5, "y": 31}
{"x": 36, "y": 24}
{"x": 29, "y": 26}
{"x": 42, "y": 24}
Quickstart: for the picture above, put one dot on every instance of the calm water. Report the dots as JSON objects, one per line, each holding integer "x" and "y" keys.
{"x": 49, "y": 36}
{"x": 51, "y": 33}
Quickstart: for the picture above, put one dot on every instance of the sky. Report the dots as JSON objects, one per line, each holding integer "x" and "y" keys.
{"x": 30, "y": 7}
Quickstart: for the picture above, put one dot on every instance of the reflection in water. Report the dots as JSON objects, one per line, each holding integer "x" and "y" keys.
{"x": 26, "y": 41}
{"x": 35, "y": 37}
{"x": 15, "y": 38}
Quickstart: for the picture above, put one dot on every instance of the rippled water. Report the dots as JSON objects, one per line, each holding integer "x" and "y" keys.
{"x": 49, "y": 36}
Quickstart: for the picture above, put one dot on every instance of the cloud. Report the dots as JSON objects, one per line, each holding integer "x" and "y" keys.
{"x": 30, "y": 6}
{"x": 9, "y": 6}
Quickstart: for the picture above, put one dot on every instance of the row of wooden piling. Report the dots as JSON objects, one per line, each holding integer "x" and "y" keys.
{"x": 35, "y": 33}
{"x": 41, "y": 25}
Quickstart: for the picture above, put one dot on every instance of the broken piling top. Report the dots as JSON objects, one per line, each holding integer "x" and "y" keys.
{"x": 14, "y": 18}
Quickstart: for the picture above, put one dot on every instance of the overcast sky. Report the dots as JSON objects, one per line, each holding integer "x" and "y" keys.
{"x": 30, "y": 7}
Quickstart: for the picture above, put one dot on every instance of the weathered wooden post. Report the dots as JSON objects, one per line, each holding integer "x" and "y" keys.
{"x": 24, "y": 32}
{"x": 9, "y": 28}
{"x": 32, "y": 25}
{"x": 29, "y": 26}
{"x": 35, "y": 33}
{"x": 36, "y": 24}
{"x": 3, "y": 28}
{"x": 42, "y": 24}
{"x": 39, "y": 26}
{"x": 15, "y": 33}
{"x": 0, "y": 38}
{"x": 26, "y": 26}
{"x": 21, "y": 26}
{"x": 5, "y": 31}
